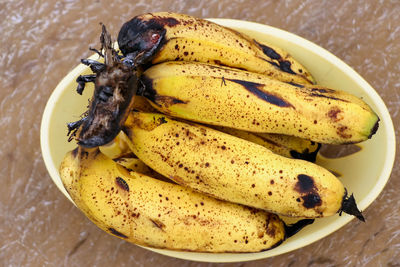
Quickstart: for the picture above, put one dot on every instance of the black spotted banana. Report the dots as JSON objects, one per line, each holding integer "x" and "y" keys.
{"x": 152, "y": 213}
{"x": 253, "y": 102}
{"x": 285, "y": 145}
{"x": 236, "y": 170}
{"x": 165, "y": 36}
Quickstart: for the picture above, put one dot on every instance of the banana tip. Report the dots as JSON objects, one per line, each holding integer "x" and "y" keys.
{"x": 292, "y": 229}
{"x": 374, "y": 128}
{"x": 349, "y": 206}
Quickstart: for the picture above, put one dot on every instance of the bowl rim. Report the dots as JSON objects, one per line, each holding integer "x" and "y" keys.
{"x": 381, "y": 108}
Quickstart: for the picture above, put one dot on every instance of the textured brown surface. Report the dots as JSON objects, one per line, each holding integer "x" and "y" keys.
{"x": 43, "y": 40}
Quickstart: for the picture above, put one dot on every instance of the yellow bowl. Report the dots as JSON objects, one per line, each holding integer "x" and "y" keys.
{"x": 365, "y": 173}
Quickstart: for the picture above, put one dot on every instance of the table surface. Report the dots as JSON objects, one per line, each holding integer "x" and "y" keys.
{"x": 43, "y": 40}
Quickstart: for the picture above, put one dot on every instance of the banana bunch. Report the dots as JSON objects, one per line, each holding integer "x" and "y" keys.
{"x": 197, "y": 137}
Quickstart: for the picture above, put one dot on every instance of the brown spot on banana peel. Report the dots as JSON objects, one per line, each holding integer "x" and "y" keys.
{"x": 342, "y": 132}
{"x": 282, "y": 64}
{"x": 161, "y": 120}
{"x": 268, "y": 229}
{"x": 277, "y": 244}
{"x": 256, "y": 89}
{"x": 269, "y": 51}
{"x": 305, "y": 184}
{"x": 334, "y": 114}
{"x": 308, "y": 191}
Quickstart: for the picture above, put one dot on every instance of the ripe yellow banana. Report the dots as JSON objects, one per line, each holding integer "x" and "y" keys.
{"x": 284, "y": 145}
{"x": 253, "y": 102}
{"x": 234, "y": 169}
{"x": 164, "y": 36}
{"x": 152, "y": 213}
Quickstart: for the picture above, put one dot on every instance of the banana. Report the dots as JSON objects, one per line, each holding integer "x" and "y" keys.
{"x": 119, "y": 151}
{"x": 152, "y": 213}
{"x": 284, "y": 145}
{"x": 253, "y": 102}
{"x": 165, "y": 36}
{"x": 236, "y": 170}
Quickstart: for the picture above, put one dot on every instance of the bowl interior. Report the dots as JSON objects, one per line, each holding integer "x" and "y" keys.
{"x": 363, "y": 173}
